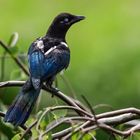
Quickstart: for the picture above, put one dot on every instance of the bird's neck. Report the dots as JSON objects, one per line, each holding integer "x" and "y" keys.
{"x": 57, "y": 33}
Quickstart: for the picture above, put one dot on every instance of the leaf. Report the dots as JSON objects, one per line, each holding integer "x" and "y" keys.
{"x": 16, "y": 137}
{"x": 88, "y": 136}
{"x": 34, "y": 133}
{"x": 13, "y": 40}
{"x": 75, "y": 136}
{"x": 38, "y": 115}
{"x": 59, "y": 113}
{"x": 134, "y": 136}
{"x": 14, "y": 50}
{"x": 6, "y": 129}
{"x": 43, "y": 124}
{"x": 48, "y": 137}
{"x": 2, "y": 106}
{"x": 54, "y": 124}
{"x": 44, "y": 120}
{"x": 30, "y": 120}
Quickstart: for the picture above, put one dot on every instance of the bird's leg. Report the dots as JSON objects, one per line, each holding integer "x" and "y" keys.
{"x": 49, "y": 84}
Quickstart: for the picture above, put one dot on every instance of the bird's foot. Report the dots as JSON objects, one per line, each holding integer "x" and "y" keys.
{"x": 53, "y": 90}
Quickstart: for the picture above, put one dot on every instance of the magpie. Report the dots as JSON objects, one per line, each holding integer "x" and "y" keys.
{"x": 47, "y": 56}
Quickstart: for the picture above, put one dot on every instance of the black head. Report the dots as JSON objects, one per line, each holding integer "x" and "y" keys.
{"x": 62, "y": 23}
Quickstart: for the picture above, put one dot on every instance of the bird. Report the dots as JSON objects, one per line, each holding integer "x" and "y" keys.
{"x": 47, "y": 56}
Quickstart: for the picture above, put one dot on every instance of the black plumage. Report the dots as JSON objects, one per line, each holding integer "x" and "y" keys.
{"x": 47, "y": 56}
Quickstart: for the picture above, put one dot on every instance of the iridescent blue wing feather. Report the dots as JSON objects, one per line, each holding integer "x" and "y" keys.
{"x": 43, "y": 66}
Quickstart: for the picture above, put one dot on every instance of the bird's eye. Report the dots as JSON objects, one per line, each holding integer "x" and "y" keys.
{"x": 65, "y": 20}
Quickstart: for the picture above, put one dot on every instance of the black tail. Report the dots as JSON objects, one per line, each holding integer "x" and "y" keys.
{"x": 22, "y": 106}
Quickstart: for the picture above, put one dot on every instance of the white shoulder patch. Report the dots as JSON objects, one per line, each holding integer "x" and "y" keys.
{"x": 50, "y": 50}
{"x": 40, "y": 45}
{"x": 65, "y": 44}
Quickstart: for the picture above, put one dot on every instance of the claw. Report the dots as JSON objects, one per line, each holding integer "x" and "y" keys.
{"x": 52, "y": 89}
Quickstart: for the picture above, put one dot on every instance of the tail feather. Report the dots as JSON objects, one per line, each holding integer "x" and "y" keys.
{"x": 22, "y": 106}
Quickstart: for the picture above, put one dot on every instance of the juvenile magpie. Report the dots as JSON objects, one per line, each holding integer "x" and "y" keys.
{"x": 47, "y": 56}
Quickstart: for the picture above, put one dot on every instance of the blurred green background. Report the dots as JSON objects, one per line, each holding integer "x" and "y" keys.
{"x": 105, "y": 48}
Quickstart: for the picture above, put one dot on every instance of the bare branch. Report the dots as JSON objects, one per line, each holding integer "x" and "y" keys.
{"x": 62, "y": 120}
{"x": 28, "y": 130}
{"x": 2, "y": 114}
{"x": 59, "y": 94}
{"x": 119, "y": 112}
{"x": 11, "y": 84}
{"x": 62, "y": 133}
{"x": 18, "y": 62}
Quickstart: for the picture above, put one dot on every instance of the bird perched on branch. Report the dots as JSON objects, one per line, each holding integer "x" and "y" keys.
{"x": 47, "y": 56}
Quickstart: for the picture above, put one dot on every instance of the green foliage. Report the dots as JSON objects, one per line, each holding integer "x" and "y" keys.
{"x": 108, "y": 41}
{"x": 105, "y": 51}
{"x": 16, "y": 137}
{"x": 16, "y": 74}
{"x": 134, "y": 136}
{"x": 59, "y": 113}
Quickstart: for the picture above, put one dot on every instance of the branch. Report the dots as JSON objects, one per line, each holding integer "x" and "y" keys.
{"x": 58, "y": 94}
{"x": 86, "y": 121}
{"x": 63, "y": 120}
{"x": 18, "y": 62}
{"x": 119, "y": 112}
{"x": 11, "y": 84}
{"x": 2, "y": 114}
{"x": 28, "y": 130}
{"x": 103, "y": 123}
{"x": 62, "y": 133}
{"x": 60, "y": 108}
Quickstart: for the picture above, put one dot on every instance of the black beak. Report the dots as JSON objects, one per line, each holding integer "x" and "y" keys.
{"x": 80, "y": 18}
{"x": 77, "y": 19}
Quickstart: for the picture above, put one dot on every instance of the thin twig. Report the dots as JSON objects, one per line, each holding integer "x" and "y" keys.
{"x": 63, "y": 97}
{"x": 91, "y": 109}
{"x": 62, "y": 120}
{"x": 11, "y": 84}
{"x": 60, "y": 108}
{"x": 18, "y": 62}
{"x": 2, "y": 114}
{"x": 62, "y": 133}
{"x": 88, "y": 104}
{"x": 28, "y": 130}
{"x": 119, "y": 112}
{"x": 3, "y": 66}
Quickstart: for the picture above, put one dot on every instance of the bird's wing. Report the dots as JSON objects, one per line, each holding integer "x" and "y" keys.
{"x": 35, "y": 61}
{"x": 56, "y": 60}
{"x": 43, "y": 65}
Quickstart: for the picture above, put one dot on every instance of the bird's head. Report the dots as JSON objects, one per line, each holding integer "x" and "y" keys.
{"x": 62, "y": 23}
